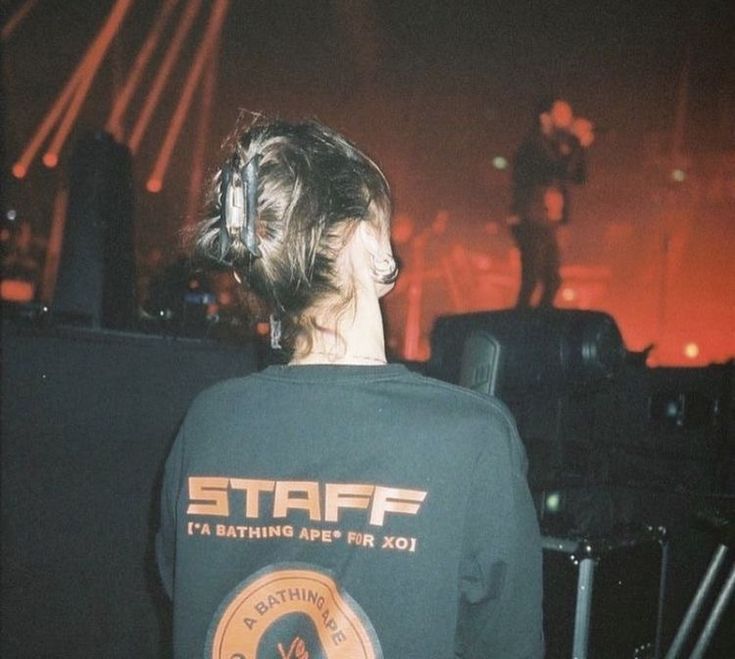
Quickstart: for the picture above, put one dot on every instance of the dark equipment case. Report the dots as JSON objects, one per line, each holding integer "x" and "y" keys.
{"x": 603, "y": 597}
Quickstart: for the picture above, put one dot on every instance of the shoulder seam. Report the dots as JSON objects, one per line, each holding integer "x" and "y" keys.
{"x": 492, "y": 401}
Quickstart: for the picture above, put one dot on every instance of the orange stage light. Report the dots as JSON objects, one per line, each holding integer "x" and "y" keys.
{"x": 15, "y": 20}
{"x": 691, "y": 350}
{"x": 214, "y": 26}
{"x": 53, "y": 251}
{"x": 154, "y": 185}
{"x": 113, "y": 125}
{"x": 50, "y": 160}
{"x": 202, "y": 133}
{"x": 16, "y": 290}
{"x": 20, "y": 168}
{"x": 163, "y": 74}
{"x": 107, "y": 34}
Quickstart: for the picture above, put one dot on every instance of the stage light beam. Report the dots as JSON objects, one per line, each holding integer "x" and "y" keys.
{"x": 163, "y": 74}
{"x": 107, "y": 34}
{"x": 53, "y": 251}
{"x": 202, "y": 134}
{"x": 113, "y": 125}
{"x": 20, "y": 168}
{"x": 15, "y": 20}
{"x": 211, "y": 33}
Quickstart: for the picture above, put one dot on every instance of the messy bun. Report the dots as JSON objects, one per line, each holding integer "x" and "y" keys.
{"x": 309, "y": 181}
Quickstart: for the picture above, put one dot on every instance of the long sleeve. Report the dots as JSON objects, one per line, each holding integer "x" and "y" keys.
{"x": 528, "y": 171}
{"x": 573, "y": 165}
{"x": 542, "y": 163}
{"x": 166, "y": 536}
{"x": 500, "y": 579}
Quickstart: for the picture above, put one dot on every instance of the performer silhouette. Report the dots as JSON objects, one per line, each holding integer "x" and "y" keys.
{"x": 549, "y": 159}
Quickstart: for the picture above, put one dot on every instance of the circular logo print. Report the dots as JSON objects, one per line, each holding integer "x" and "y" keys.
{"x": 291, "y": 611}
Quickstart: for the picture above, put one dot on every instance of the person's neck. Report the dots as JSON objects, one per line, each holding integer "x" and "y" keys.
{"x": 354, "y": 337}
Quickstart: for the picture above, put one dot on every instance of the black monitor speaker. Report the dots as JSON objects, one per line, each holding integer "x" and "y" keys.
{"x": 556, "y": 375}
{"x": 542, "y": 349}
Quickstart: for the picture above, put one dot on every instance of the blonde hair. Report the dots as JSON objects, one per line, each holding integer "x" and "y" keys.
{"x": 312, "y": 184}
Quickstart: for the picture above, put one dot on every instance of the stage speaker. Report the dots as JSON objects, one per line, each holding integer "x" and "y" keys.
{"x": 542, "y": 349}
{"x": 97, "y": 268}
{"x": 557, "y": 370}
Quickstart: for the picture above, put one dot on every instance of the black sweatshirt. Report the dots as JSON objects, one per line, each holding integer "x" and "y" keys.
{"x": 544, "y": 162}
{"x": 349, "y": 511}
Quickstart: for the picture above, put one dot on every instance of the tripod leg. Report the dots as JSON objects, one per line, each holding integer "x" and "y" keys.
{"x": 584, "y": 608}
{"x": 714, "y": 618}
{"x": 697, "y": 602}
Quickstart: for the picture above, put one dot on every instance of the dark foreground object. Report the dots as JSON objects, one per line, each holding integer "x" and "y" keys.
{"x": 87, "y": 420}
{"x": 604, "y": 597}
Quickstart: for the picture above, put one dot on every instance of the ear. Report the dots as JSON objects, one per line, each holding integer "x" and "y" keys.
{"x": 375, "y": 246}
{"x": 369, "y": 236}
